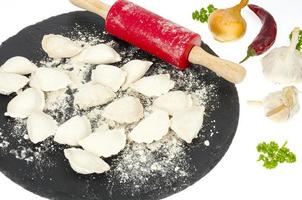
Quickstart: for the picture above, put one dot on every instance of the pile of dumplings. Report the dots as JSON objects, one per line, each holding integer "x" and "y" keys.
{"x": 173, "y": 110}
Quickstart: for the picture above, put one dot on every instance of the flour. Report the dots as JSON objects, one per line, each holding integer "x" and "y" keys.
{"x": 206, "y": 143}
{"x": 139, "y": 167}
{"x": 138, "y": 164}
{"x": 4, "y": 144}
{"x": 14, "y": 140}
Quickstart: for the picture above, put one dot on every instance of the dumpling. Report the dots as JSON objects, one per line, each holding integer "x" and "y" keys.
{"x": 154, "y": 85}
{"x": 105, "y": 143}
{"x": 40, "y": 126}
{"x": 10, "y": 83}
{"x": 91, "y": 94}
{"x": 99, "y": 54}
{"x": 18, "y": 65}
{"x": 135, "y": 69}
{"x": 84, "y": 162}
{"x": 152, "y": 128}
{"x": 28, "y": 101}
{"x": 124, "y": 110}
{"x": 49, "y": 79}
{"x": 58, "y": 46}
{"x": 173, "y": 102}
{"x": 187, "y": 123}
{"x": 109, "y": 76}
{"x": 73, "y": 130}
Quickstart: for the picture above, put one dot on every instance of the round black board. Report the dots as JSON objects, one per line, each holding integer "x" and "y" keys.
{"x": 58, "y": 181}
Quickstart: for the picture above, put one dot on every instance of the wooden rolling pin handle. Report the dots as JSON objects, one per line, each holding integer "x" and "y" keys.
{"x": 230, "y": 71}
{"x": 94, "y": 6}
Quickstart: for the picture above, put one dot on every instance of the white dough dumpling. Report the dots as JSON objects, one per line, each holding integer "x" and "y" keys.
{"x": 124, "y": 110}
{"x": 18, "y": 65}
{"x": 173, "y": 102}
{"x": 40, "y": 126}
{"x": 28, "y": 101}
{"x": 10, "y": 83}
{"x": 105, "y": 143}
{"x": 135, "y": 69}
{"x": 152, "y": 128}
{"x": 73, "y": 130}
{"x": 155, "y": 85}
{"x": 92, "y": 94}
{"x": 49, "y": 79}
{"x": 58, "y": 46}
{"x": 84, "y": 162}
{"x": 99, "y": 54}
{"x": 187, "y": 123}
{"x": 109, "y": 76}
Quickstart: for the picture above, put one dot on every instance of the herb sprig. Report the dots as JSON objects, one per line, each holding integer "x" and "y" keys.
{"x": 203, "y": 14}
{"x": 272, "y": 155}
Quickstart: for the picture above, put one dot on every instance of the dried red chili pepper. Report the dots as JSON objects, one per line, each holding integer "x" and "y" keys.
{"x": 267, "y": 36}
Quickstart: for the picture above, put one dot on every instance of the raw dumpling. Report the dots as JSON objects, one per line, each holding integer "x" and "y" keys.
{"x": 92, "y": 94}
{"x": 18, "y": 65}
{"x": 135, "y": 69}
{"x": 99, "y": 54}
{"x": 25, "y": 103}
{"x": 105, "y": 143}
{"x": 173, "y": 102}
{"x": 124, "y": 110}
{"x": 154, "y": 85}
{"x": 40, "y": 126}
{"x": 58, "y": 46}
{"x": 84, "y": 162}
{"x": 49, "y": 79}
{"x": 152, "y": 128}
{"x": 109, "y": 76}
{"x": 10, "y": 83}
{"x": 187, "y": 123}
{"x": 73, "y": 130}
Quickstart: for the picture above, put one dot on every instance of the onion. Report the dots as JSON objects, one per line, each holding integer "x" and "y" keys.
{"x": 228, "y": 24}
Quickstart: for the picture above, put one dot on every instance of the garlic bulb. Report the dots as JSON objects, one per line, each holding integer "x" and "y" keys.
{"x": 284, "y": 65}
{"x": 282, "y": 105}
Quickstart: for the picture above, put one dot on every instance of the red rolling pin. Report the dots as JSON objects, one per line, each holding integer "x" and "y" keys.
{"x": 160, "y": 37}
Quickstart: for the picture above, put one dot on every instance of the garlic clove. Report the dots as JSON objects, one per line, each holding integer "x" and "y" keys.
{"x": 282, "y": 105}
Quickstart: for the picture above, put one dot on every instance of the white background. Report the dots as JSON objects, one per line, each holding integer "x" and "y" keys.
{"x": 238, "y": 175}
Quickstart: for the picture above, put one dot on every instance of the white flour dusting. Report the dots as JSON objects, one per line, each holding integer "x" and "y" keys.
{"x": 137, "y": 165}
{"x": 16, "y": 142}
{"x": 4, "y": 144}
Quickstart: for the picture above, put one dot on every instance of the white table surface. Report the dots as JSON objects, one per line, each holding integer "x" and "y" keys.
{"x": 238, "y": 175}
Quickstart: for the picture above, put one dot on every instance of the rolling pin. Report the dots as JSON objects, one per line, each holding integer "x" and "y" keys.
{"x": 160, "y": 37}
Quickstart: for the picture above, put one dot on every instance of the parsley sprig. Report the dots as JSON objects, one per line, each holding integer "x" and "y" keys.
{"x": 272, "y": 155}
{"x": 203, "y": 14}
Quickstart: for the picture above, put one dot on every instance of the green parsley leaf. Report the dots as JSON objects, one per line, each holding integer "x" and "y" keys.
{"x": 271, "y": 154}
{"x": 203, "y": 14}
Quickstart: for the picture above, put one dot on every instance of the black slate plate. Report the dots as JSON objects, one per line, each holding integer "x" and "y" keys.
{"x": 57, "y": 180}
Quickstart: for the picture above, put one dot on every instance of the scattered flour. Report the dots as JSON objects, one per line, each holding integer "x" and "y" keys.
{"x": 138, "y": 165}
{"x": 4, "y": 144}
